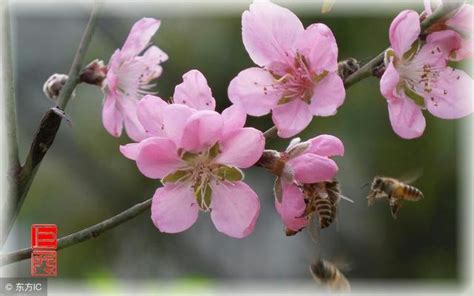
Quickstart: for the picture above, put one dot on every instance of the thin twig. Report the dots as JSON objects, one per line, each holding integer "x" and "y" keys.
{"x": 83, "y": 235}
{"x": 47, "y": 131}
{"x": 13, "y": 161}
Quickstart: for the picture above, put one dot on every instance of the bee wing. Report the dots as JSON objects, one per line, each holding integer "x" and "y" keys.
{"x": 312, "y": 230}
{"x": 411, "y": 176}
{"x": 278, "y": 189}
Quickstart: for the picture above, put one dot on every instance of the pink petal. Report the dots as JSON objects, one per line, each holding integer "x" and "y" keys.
{"x": 111, "y": 115}
{"x": 404, "y": 30}
{"x": 174, "y": 208}
{"x": 291, "y": 118}
{"x": 150, "y": 111}
{"x": 269, "y": 31}
{"x": 312, "y": 168}
{"x": 438, "y": 48}
{"x": 174, "y": 121}
{"x": 235, "y": 208}
{"x": 462, "y": 20}
{"x": 326, "y": 145}
{"x": 194, "y": 92}
{"x": 153, "y": 57}
{"x": 234, "y": 118}
{"x": 242, "y": 148}
{"x": 139, "y": 37}
{"x": 202, "y": 130}
{"x": 158, "y": 157}
{"x": 452, "y": 97}
{"x": 292, "y": 207}
{"x": 389, "y": 82}
{"x": 131, "y": 150}
{"x": 252, "y": 89}
{"x": 318, "y": 45}
{"x": 329, "y": 94}
{"x": 132, "y": 125}
{"x": 406, "y": 118}
{"x": 112, "y": 68}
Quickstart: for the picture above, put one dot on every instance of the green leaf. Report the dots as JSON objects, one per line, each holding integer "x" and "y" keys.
{"x": 389, "y": 54}
{"x": 230, "y": 173}
{"x": 419, "y": 100}
{"x": 174, "y": 177}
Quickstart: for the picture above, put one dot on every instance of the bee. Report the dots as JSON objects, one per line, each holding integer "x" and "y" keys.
{"x": 321, "y": 201}
{"x": 395, "y": 191}
{"x": 347, "y": 67}
{"x": 327, "y": 274}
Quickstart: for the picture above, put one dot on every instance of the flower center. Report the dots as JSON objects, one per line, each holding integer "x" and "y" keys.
{"x": 134, "y": 79}
{"x": 295, "y": 81}
{"x": 202, "y": 172}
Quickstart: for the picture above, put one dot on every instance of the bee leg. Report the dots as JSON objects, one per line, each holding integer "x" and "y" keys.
{"x": 395, "y": 206}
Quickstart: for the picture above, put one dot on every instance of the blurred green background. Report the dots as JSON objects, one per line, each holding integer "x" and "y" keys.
{"x": 84, "y": 179}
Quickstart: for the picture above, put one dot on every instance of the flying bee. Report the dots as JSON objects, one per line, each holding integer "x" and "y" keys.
{"x": 395, "y": 191}
{"x": 327, "y": 274}
{"x": 347, "y": 67}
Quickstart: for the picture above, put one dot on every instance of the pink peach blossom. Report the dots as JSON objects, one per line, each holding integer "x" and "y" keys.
{"x": 128, "y": 79}
{"x": 417, "y": 77}
{"x": 461, "y": 23}
{"x": 297, "y": 77}
{"x": 305, "y": 163}
{"x": 197, "y": 153}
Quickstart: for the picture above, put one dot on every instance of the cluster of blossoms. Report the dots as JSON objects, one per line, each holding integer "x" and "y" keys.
{"x": 417, "y": 75}
{"x": 198, "y": 153}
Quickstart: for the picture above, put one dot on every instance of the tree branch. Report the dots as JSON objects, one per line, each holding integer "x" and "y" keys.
{"x": 46, "y": 133}
{"x": 97, "y": 229}
{"x": 83, "y": 235}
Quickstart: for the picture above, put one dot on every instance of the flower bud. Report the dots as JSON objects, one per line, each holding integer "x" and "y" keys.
{"x": 94, "y": 73}
{"x": 52, "y": 87}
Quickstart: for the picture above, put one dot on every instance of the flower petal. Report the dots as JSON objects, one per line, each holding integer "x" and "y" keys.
{"x": 291, "y": 118}
{"x": 111, "y": 115}
{"x": 253, "y": 90}
{"x": 202, "y": 130}
{"x": 406, "y": 118}
{"x": 462, "y": 20}
{"x": 329, "y": 94}
{"x": 158, "y": 157}
{"x": 389, "y": 82}
{"x": 139, "y": 37}
{"x": 134, "y": 128}
{"x": 242, "y": 148}
{"x": 269, "y": 31}
{"x": 174, "y": 208}
{"x": 235, "y": 208}
{"x": 452, "y": 97}
{"x": 194, "y": 92}
{"x": 174, "y": 121}
{"x": 292, "y": 207}
{"x": 153, "y": 57}
{"x": 312, "y": 168}
{"x": 131, "y": 150}
{"x": 318, "y": 45}
{"x": 150, "y": 111}
{"x": 404, "y": 30}
{"x": 234, "y": 118}
{"x": 326, "y": 145}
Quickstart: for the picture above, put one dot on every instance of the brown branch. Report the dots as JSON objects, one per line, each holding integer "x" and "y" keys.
{"x": 45, "y": 134}
{"x": 83, "y": 235}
